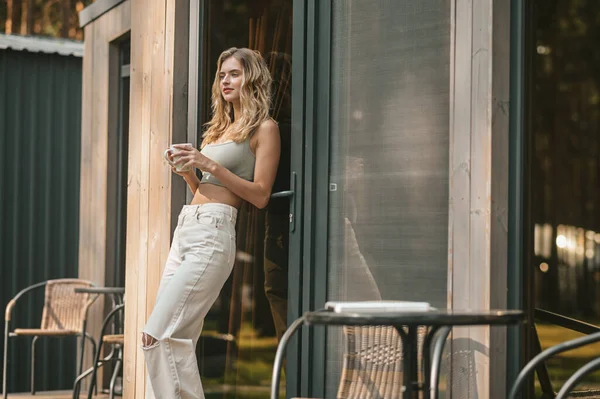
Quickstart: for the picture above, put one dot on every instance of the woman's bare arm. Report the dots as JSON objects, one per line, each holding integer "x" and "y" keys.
{"x": 268, "y": 150}
{"x": 192, "y": 181}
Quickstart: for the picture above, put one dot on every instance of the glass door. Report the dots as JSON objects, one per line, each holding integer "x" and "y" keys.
{"x": 360, "y": 207}
{"x": 376, "y": 98}
{"x": 388, "y": 168}
{"x": 563, "y": 196}
{"x": 241, "y": 331}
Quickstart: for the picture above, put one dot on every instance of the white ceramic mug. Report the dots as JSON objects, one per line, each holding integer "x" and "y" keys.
{"x": 174, "y": 163}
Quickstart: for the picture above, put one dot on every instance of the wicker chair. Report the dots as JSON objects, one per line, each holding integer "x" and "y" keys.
{"x": 64, "y": 314}
{"x": 372, "y": 363}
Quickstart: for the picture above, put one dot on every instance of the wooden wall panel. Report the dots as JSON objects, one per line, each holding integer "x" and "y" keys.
{"x": 157, "y": 29}
{"x": 94, "y": 146}
{"x": 86, "y": 225}
{"x": 85, "y": 192}
{"x": 460, "y": 181}
{"x": 135, "y": 214}
{"x": 479, "y": 191}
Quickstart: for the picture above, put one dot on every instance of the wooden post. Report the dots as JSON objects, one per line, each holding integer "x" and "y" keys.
{"x": 156, "y": 31}
{"x": 96, "y": 128}
{"x": 479, "y": 190}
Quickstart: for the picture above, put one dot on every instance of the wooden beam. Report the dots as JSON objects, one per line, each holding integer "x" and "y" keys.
{"x": 87, "y": 123}
{"x": 136, "y": 214}
{"x": 479, "y": 190}
{"x": 94, "y": 151}
{"x": 157, "y": 29}
{"x": 96, "y": 10}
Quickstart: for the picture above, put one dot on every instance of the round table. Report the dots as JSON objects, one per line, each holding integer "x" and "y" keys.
{"x": 407, "y": 324}
{"x": 116, "y": 293}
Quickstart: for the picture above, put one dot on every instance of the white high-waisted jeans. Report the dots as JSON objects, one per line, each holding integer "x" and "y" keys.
{"x": 200, "y": 261}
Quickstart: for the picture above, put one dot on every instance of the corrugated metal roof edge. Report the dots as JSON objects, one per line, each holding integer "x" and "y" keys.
{"x": 37, "y": 44}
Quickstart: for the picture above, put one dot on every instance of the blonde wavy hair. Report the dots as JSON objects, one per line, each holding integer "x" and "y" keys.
{"x": 255, "y": 98}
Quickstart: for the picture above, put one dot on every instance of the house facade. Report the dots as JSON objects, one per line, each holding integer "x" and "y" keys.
{"x": 408, "y": 173}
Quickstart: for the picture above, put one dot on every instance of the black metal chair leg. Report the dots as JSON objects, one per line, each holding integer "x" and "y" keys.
{"x": 562, "y": 347}
{"x": 82, "y": 349}
{"x": 280, "y": 354}
{"x": 578, "y": 376}
{"x": 77, "y": 384}
{"x": 111, "y": 391}
{"x": 409, "y": 349}
{"x": 33, "y": 341}
{"x": 5, "y": 360}
{"x": 93, "y": 342}
{"x": 97, "y": 354}
{"x": 429, "y": 334}
{"x": 541, "y": 369}
{"x": 437, "y": 361}
{"x": 94, "y": 371}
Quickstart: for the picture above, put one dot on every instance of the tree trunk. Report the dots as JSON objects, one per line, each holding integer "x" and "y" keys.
{"x": 13, "y": 16}
{"x": 66, "y": 13}
{"x": 29, "y": 27}
{"x": 23, "y": 16}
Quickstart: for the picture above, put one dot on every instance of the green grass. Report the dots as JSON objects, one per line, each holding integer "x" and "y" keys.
{"x": 250, "y": 376}
{"x": 561, "y": 367}
{"x": 251, "y": 372}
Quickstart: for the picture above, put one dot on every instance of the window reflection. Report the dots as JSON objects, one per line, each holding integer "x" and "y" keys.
{"x": 573, "y": 254}
{"x": 389, "y": 146}
{"x": 239, "y": 340}
{"x": 564, "y": 172}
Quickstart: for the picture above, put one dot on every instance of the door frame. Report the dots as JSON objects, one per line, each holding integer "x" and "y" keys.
{"x": 308, "y": 264}
{"x": 307, "y": 271}
{"x": 520, "y": 229}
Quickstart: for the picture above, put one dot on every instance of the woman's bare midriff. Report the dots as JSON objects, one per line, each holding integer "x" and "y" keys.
{"x": 210, "y": 193}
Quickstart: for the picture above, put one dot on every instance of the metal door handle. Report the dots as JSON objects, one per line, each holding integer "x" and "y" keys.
{"x": 282, "y": 194}
{"x": 291, "y": 194}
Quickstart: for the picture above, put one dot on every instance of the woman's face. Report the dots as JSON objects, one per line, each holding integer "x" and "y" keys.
{"x": 230, "y": 76}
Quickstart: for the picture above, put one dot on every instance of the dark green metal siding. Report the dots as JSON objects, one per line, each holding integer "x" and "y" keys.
{"x": 40, "y": 133}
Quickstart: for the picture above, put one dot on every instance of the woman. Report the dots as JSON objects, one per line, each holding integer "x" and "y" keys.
{"x": 239, "y": 158}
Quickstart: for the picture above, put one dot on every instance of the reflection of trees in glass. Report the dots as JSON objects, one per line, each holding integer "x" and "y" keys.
{"x": 252, "y": 307}
{"x": 565, "y": 187}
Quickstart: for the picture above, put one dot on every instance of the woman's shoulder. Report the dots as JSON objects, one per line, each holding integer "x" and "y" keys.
{"x": 266, "y": 135}
{"x": 266, "y": 129}
{"x": 268, "y": 124}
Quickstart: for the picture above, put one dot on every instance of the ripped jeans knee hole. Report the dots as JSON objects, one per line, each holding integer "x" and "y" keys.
{"x": 148, "y": 341}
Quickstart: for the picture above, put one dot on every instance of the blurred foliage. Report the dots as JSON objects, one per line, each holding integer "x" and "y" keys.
{"x": 564, "y": 164}
{"x": 564, "y": 180}
{"x": 53, "y": 18}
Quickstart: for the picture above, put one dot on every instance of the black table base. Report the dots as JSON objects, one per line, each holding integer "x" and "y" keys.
{"x": 438, "y": 325}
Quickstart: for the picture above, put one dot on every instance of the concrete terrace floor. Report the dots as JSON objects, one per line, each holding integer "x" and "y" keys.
{"x": 51, "y": 395}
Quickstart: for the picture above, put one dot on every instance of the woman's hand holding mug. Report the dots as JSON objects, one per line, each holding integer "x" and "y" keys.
{"x": 189, "y": 157}
{"x": 174, "y": 158}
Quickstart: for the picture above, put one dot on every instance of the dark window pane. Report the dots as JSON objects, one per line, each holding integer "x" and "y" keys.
{"x": 564, "y": 189}
{"x": 240, "y": 334}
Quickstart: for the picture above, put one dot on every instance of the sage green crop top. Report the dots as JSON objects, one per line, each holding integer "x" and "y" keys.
{"x": 236, "y": 157}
